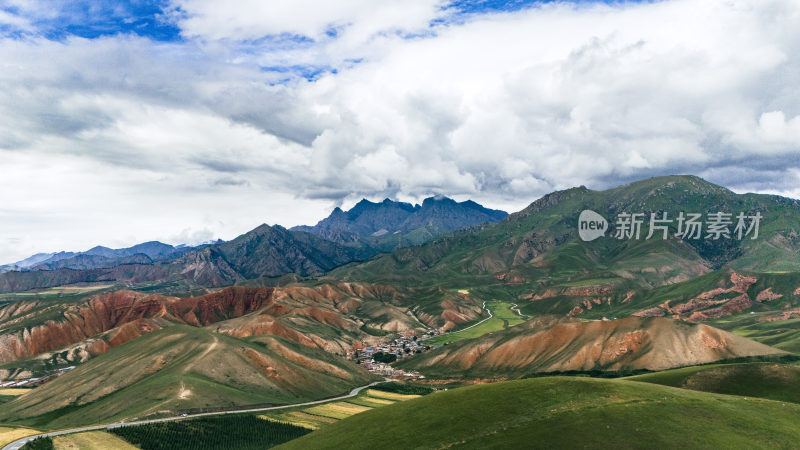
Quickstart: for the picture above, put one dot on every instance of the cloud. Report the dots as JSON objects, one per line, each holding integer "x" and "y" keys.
{"x": 276, "y": 114}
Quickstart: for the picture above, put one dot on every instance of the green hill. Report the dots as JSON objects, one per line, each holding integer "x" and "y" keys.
{"x": 561, "y": 412}
{"x": 536, "y": 259}
{"x": 181, "y": 368}
{"x": 548, "y": 224}
{"x": 764, "y": 380}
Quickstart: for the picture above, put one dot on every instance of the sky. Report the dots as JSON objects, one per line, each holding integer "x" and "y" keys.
{"x": 189, "y": 120}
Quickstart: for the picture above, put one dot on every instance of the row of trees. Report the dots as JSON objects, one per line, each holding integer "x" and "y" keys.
{"x": 223, "y": 432}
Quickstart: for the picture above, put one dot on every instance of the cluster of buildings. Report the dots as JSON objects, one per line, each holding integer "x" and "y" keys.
{"x": 386, "y": 370}
{"x": 401, "y": 347}
{"x": 377, "y": 358}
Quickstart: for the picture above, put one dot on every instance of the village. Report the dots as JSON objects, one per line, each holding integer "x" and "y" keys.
{"x": 377, "y": 359}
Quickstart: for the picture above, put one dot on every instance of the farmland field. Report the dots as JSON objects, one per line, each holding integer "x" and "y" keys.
{"x": 11, "y": 434}
{"x": 92, "y": 440}
{"x": 321, "y": 415}
{"x": 503, "y": 317}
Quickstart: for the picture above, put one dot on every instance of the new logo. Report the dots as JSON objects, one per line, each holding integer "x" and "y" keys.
{"x": 591, "y": 225}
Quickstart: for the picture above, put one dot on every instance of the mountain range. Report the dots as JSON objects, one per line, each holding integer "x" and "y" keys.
{"x": 264, "y": 252}
{"x": 389, "y": 225}
{"x": 102, "y": 257}
{"x": 613, "y": 303}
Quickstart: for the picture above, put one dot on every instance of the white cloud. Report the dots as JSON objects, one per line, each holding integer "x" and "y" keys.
{"x": 194, "y": 137}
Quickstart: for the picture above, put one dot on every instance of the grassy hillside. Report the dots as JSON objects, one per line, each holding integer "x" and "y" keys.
{"x": 183, "y": 368}
{"x": 764, "y": 380}
{"x": 566, "y": 413}
{"x": 536, "y": 259}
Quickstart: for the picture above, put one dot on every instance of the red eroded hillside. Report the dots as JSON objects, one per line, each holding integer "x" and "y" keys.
{"x": 330, "y": 317}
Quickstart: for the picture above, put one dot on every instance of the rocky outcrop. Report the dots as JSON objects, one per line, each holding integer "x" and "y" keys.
{"x": 767, "y": 295}
{"x": 650, "y": 312}
{"x": 716, "y": 302}
{"x": 732, "y": 306}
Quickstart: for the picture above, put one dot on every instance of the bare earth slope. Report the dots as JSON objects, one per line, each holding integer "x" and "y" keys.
{"x": 626, "y": 344}
{"x": 330, "y": 317}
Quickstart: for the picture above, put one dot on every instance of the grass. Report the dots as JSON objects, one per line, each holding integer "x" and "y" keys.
{"x": 782, "y": 334}
{"x": 561, "y": 412}
{"x": 92, "y": 440}
{"x": 503, "y": 317}
{"x": 764, "y": 380}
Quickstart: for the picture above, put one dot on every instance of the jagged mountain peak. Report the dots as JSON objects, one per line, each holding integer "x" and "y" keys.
{"x": 391, "y": 224}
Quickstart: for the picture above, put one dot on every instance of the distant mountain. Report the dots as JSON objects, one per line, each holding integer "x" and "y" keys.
{"x": 266, "y": 251}
{"x": 35, "y": 260}
{"x": 101, "y": 257}
{"x": 390, "y": 224}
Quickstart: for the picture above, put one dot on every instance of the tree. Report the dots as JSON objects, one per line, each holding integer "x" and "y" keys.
{"x": 384, "y": 357}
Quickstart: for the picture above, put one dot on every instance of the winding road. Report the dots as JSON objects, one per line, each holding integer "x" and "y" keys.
{"x": 475, "y": 325}
{"x": 16, "y": 445}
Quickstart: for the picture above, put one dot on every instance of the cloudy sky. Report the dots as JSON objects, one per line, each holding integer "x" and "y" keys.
{"x": 186, "y": 120}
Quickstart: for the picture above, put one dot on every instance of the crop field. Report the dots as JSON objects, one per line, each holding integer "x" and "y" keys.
{"x": 11, "y": 434}
{"x": 59, "y": 291}
{"x": 389, "y": 395}
{"x": 321, "y": 415}
{"x": 338, "y": 410}
{"x": 92, "y": 440}
{"x": 14, "y": 392}
{"x": 502, "y": 317}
